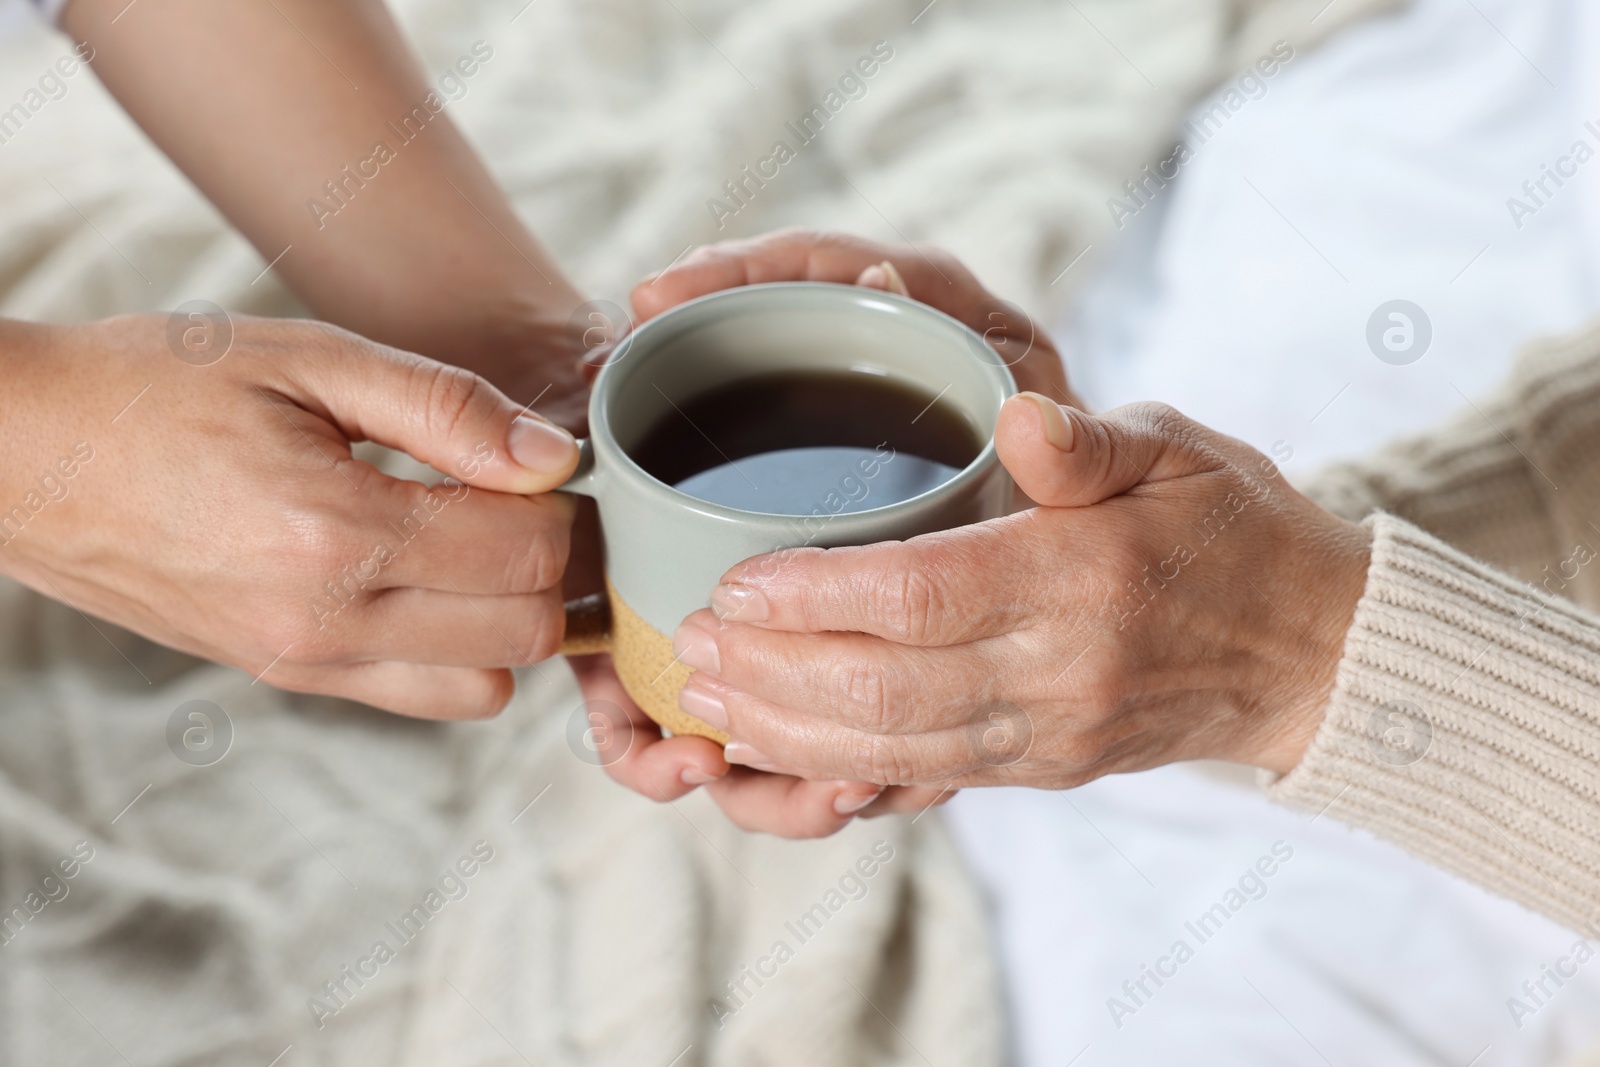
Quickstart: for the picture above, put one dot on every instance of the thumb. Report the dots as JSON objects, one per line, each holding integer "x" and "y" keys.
{"x": 1063, "y": 457}
{"x": 445, "y": 416}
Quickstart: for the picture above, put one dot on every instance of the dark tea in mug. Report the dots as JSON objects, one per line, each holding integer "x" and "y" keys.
{"x": 781, "y": 443}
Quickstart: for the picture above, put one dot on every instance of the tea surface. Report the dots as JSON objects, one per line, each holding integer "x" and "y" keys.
{"x": 782, "y": 443}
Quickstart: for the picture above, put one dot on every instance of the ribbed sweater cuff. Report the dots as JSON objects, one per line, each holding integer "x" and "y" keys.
{"x": 1465, "y": 726}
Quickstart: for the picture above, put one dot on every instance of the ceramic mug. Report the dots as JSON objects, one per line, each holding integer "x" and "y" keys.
{"x": 666, "y": 550}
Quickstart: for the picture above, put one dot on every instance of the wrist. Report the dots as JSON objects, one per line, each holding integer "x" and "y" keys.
{"x": 1294, "y": 694}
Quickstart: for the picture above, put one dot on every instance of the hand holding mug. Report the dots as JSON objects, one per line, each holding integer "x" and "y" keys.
{"x": 665, "y": 768}
{"x": 924, "y": 273}
{"x": 220, "y": 510}
{"x": 1174, "y": 598}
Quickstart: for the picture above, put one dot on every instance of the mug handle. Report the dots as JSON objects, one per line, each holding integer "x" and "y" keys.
{"x": 588, "y": 618}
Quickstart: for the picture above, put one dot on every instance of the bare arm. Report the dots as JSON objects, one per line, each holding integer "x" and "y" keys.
{"x": 264, "y": 103}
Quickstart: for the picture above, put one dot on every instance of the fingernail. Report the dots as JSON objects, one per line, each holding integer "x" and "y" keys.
{"x": 738, "y": 603}
{"x": 704, "y": 706}
{"x": 1057, "y": 429}
{"x": 697, "y": 648}
{"x": 850, "y": 802}
{"x": 540, "y": 446}
{"x": 892, "y": 280}
{"x": 695, "y": 776}
{"x": 873, "y": 278}
{"x": 749, "y": 755}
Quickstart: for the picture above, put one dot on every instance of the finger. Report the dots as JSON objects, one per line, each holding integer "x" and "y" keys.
{"x": 786, "y": 806}
{"x": 789, "y": 255}
{"x": 455, "y": 538}
{"x": 858, "y": 680}
{"x": 666, "y": 768}
{"x": 449, "y": 629}
{"x": 635, "y": 754}
{"x": 938, "y": 589}
{"x": 1063, "y": 457}
{"x": 418, "y": 690}
{"x": 766, "y": 734}
{"x": 926, "y": 274}
{"x": 447, "y": 417}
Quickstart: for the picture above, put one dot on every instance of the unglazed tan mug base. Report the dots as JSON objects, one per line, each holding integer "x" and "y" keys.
{"x": 645, "y": 663}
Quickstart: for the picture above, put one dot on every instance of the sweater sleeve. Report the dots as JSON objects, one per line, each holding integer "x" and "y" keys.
{"x": 1465, "y": 719}
{"x": 1465, "y": 726}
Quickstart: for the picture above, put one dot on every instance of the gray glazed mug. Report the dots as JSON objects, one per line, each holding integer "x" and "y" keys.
{"x": 666, "y": 550}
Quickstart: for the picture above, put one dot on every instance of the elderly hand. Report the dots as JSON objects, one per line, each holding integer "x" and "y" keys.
{"x": 666, "y": 768}
{"x": 1174, "y": 598}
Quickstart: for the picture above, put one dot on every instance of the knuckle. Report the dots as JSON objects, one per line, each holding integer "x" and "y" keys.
{"x": 912, "y": 601}
{"x": 498, "y": 689}
{"x": 1075, "y": 753}
{"x": 1103, "y": 687}
{"x": 884, "y": 760}
{"x": 336, "y": 571}
{"x": 795, "y": 826}
{"x": 318, "y": 542}
{"x": 870, "y": 692}
{"x": 746, "y": 817}
{"x": 546, "y": 627}
{"x": 1121, "y": 563}
{"x": 324, "y": 647}
{"x": 326, "y": 558}
{"x": 701, "y": 255}
{"x": 805, "y": 236}
{"x": 450, "y": 396}
{"x": 539, "y": 561}
{"x": 790, "y": 575}
{"x": 817, "y": 825}
{"x": 1162, "y": 421}
{"x": 484, "y": 694}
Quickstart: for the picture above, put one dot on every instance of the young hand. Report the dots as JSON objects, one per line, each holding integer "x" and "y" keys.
{"x": 217, "y": 509}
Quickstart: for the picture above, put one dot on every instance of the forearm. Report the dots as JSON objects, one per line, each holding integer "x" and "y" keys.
{"x": 31, "y": 433}
{"x": 263, "y": 105}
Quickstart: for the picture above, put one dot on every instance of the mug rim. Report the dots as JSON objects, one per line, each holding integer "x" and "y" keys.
{"x": 603, "y": 439}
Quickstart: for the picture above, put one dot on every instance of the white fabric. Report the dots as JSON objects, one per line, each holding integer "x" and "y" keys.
{"x": 51, "y": 9}
{"x": 1392, "y": 151}
{"x": 16, "y": 19}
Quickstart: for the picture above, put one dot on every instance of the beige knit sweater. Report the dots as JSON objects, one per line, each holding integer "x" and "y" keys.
{"x": 1465, "y": 722}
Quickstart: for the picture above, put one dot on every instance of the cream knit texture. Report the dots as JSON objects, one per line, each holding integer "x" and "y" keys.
{"x": 1465, "y": 719}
